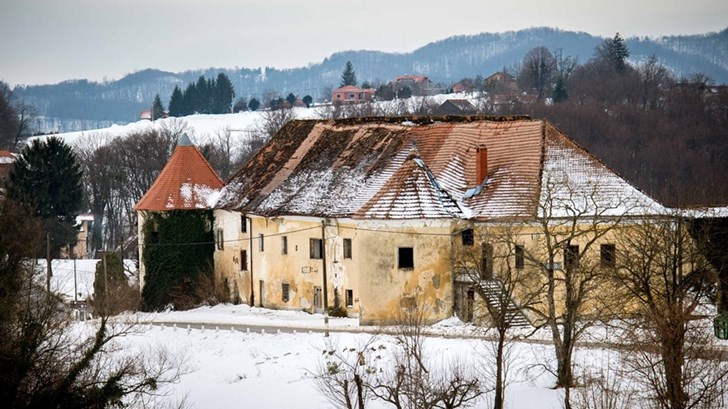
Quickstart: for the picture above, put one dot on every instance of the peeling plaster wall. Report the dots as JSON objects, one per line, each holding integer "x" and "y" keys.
{"x": 387, "y": 290}
{"x": 296, "y": 268}
{"x": 380, "y": 289}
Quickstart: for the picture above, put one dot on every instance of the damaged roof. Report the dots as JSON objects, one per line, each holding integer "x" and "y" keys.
{"x": 413, "y": 168}
{"x": 187, "y": 182}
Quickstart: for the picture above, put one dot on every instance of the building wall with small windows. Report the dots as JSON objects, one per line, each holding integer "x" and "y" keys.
{"x": 502, "y": 250}
{"x": 373, "y": 270}
{"x": 279, "y": 262}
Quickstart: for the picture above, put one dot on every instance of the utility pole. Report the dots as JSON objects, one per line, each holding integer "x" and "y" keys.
{"x": 106, "y": 286}
{"x": 75, "y": 283}
{"x": 326, "y": 292}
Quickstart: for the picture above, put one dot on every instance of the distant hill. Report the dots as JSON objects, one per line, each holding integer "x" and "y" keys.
{"x": 78, "y": 104}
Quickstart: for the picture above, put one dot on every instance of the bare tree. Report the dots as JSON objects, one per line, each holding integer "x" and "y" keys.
{"x": 273, "y": 121}
{"x": 537, "y": 70}
{"x": 565, "y": 249}
{"x": 664, "y": 275}
{"x": 26, "y": 114}
{"x": 45, "y": 361}
{"x": 416, "y": 380}
{"x": 484, "y": 264}
{"x": 344, "y": 373}
{"x": 405, "y": 376}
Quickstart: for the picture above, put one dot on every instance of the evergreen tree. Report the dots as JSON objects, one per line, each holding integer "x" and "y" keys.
{"x": 47, "y": 178}
{"x": 189, "y": 99}
{"x": 202, "y": 102}
{"x": 254, "y": 104}
{"x": 291, "y": 99}
{"x": 308, "y": 100}
{"x": 615, "y": 52}
{"x": 176, "y": 103}
{"x": 366, "y": 85}
{"x": 348, "y": 77}
{"x": 223, "y": 94}
{"x": 157, "y": 108}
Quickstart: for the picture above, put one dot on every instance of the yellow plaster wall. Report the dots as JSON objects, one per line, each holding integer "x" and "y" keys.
{"x": 386, "y": 290}
{"x": 296, "y": 268}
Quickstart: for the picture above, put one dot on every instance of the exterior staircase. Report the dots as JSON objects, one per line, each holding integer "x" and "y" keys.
{"x": 492, "y": 293}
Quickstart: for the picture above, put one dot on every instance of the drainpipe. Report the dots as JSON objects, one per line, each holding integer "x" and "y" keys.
{"x": 250, "y": 251}
{"x": 326, "y": 292}
{"x": 452, "y": 273}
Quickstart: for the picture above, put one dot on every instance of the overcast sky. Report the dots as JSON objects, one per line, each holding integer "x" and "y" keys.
{"x": 47, "y": 41}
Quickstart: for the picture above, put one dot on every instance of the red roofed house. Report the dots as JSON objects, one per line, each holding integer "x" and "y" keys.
{"x": 187, "y": 182}
{"x": 350, "y": 94}
{"x": 418, "y": 84}
{"x": 369, "y": 215}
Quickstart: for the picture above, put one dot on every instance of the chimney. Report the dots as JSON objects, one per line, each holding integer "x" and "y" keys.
{"x": 481, "y": 164}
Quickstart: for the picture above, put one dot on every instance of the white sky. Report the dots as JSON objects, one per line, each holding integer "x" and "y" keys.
{"x": 47, "y": 41}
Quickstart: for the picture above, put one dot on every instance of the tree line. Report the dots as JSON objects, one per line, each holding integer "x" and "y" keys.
{"x": 206, "y": 96}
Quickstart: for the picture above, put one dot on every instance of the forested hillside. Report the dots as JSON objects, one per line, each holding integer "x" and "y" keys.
{"x": 76, "y": 104}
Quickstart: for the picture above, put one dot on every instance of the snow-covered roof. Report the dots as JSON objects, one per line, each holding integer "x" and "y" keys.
{"x": 186, "y": 182}
{"x": 422, "y": 168}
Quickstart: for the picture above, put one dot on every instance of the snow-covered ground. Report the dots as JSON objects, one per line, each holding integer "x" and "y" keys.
{"x": 201, "y": 128}
{"x": 244, "y": 367}
{"x": 75, "y": 276}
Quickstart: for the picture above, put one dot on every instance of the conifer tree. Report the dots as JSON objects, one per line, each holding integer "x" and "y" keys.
{"x": 254, "y": 104}
{"x": 308, "y": 100}
{"x": 157, "y": 108}
{"x": 223, "y": 94}
{"x": 176, "y": 103}
{"x": 614, "y": 51}
{"x": 201, "y": 103}
{"x": 348, "y": 77}
{"x": 189, "y": 99}
{"x": 47, "y": 178}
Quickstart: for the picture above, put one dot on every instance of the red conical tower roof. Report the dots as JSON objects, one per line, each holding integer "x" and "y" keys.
{"x": 187, "y": 182}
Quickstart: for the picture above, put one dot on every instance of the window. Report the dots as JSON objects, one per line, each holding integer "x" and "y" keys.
{"x": 347, "y": 248}
{"x": 349, "y": 298}
{"x": 406, "y": 257}
{"x": 520, "y": 262}
{"x": 607, "y": 255}
{"x": 243, "y": 260}
{"x": 338, "y": 96}
{"x": 243, "y": 224}
{"x": 220, "y": 241}
{"x": 261, "y": 244}
{"x": 571, "y": 257}
{"x": 286, "y": 292}
{"x": 284, "y": 244}
{"x": 317, "y": 248}
{"x": 486, "y": 272}
{"x": 468, "y": 237}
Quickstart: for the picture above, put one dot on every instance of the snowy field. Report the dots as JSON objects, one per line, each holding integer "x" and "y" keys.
{"x": 77, "y": 276}
{"x": 202, "y": 128}
{"x": 245, "y": 366}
